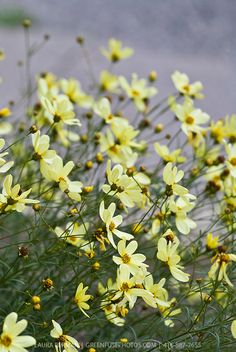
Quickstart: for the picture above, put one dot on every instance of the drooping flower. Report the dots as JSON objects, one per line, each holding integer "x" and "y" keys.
{"x": 112, "y": 223}
{"x": 70, "y": 344}
{"x": 167, "y": 252}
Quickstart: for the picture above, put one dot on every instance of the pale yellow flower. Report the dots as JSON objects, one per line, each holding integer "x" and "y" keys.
{"x": 10, "y": 341}
{"x": 4, "y": 166}
{"x": 12, "y": 198}
{"x": 233, "y": 328}
{"x": 70, "y": 344}
{"x": 168, "y": 156}
{"x": 218, "y": 270}
{"x": 108, "y": 82}
{"x": 129, "y": 260}
{"x": 112, "y": 223}
{"x": 172, "y": 176}
{"x": 181, "y": 82}
{"x": 138, "y": 91}
{"x": 167, "y": 252}
{"x": 115, "y": 51}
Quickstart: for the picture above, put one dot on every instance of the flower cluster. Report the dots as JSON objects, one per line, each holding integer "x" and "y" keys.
{"x": 118, "y": 213}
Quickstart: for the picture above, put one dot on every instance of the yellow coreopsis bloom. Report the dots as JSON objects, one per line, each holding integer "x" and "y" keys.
{"x": 81, "y": 298}
{"x": 171, "y": 177}
{"x": 103, "y": 109}
{"x": 41, "y": 146}
{"x": 122, "y": 186}
{"x": 138, "y": 91}
{"x": 231, "y": 158}
{"x": 12, "y": 198}
{"x": 191, "y": 118}
{"x": 167, "y": 252}
{"x": 112, "y": 223}
{"x": 218, "y": 270}
{"x": 56, "y": 171}
{"x": 108, "y": 82}
{"x": 180, "y": 208}
{"x": 168, "y": 156}
{"x": 218, "y": 131}
{"x": 211, "y": 241}
{"x": 70, "y": 344}
{"x": 115, "y": 51}
{"x": 129, "y": 260}
{"x": 10, "y": 341}
{"x": 73, "y": 90}
{"x": 129, "y": 291}
{"x": 60, "y": 109}
{"x": 73, "y": 234}
{"x": 181, "y": 82}
{"x": 5, "y": 127}
{"x": 4, "y": 166}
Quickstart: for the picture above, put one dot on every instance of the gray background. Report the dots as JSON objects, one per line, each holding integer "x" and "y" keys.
{"x": 195, "y": 36}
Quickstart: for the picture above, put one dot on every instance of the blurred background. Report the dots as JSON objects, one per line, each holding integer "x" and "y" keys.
{"x": 194, "y": 36}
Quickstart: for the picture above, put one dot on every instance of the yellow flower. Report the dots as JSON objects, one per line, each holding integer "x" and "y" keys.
{"x": 167, "y": 252}
{"x": 60, "y": 109}
{"x": 180, "y": 208}
{"x": 122, "y": 186}
{"x": 109, "y": 82}
{"x": 69, "y": 343}
{"x": 164, "y": 152}
{"x": 103, "y": 109}
{"x": 138, "y": 91}
{"x": 5, "y": 127}
{"x": 2, "y": 55}
{"x": 115, "y": 51}
{"x": 129, "y": 290}
{"x": 41, "y": 147}
{"x": 233, "y": 328}
{"x": 159, "y": 292}
{"x": 218, "y": 270}
{"x": 231, "y": 158}
{"x": 73, "y": 234}
{"x": 181, "y": 82}
{"x": 129, "y": 260}
{"x": 171, "y": 177}
{"x": 81, "y": 298}
{"x": 119, "y": 142}
{"x": 56, "y": 171}
{"x": 10, "y": 341}
{"x": 211, "y": 241}
{"x": 12, "y": 198}
{"x": 218, "y": 131}
{"x": 4, "y": 166}
{"x": 190, "y": 117}
{"x": 73, "y": 90}
{"x": 112, "y": 222}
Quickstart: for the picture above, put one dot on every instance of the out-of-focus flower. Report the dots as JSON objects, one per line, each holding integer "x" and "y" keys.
{"x": 218, "y": 270}
{"x": 168, "y": 156}
{"x": 138, "y": 91}
{"x": 181, "y": 82}
{"x": 116, "y": 51}
{"x": 4, "y": 166}
{"x": 109, "y": 82}
{"x": 171, "y": 177}
{"x": 211, "y": 241}
{"x": 60, "y": 109}
{"x": 5, "y": 127}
